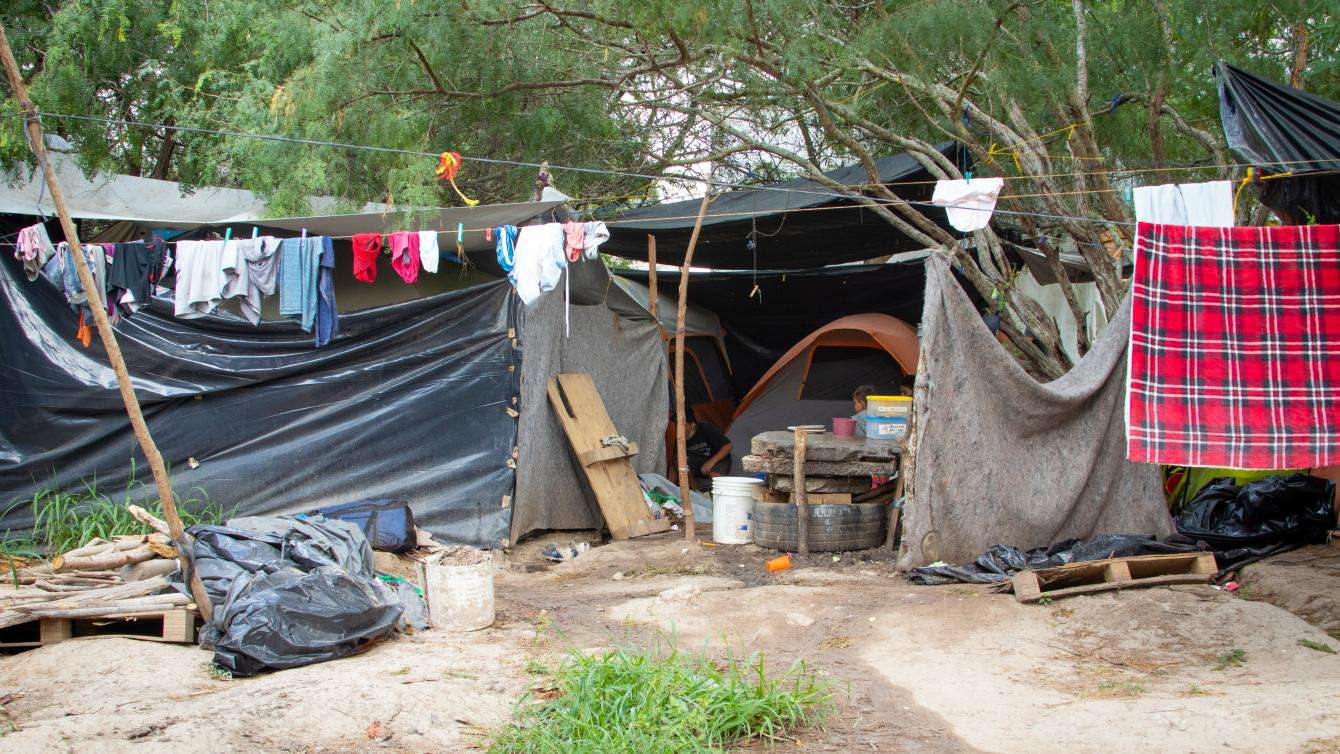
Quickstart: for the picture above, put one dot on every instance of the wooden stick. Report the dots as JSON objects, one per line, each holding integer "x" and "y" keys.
{"x": 149, "y": 519}
{"x": 95, "y": 301}
{"x": 105, "y": 561}
{"x": 685, "y": 481}
{"x": 147, "y": 569}
{"x": 800, "y": 495}
{"x": 651, "y": 277}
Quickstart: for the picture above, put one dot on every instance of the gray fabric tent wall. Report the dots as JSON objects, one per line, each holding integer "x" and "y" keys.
{"x": 626, "y": 359}
{"x": 1004, "y": 459}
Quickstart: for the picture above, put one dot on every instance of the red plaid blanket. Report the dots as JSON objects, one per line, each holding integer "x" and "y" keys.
{"x": 1235, "y": 347}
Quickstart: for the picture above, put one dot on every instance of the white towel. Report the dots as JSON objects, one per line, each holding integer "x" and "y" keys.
{"x": 1206, "y": 204}
{"x": 968, "y": 204}
{"x": 428, "y": 253}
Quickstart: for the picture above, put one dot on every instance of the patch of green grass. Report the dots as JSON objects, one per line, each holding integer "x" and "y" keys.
{"x": 1119, "y": 689}
{"x": 1233, "y": 659}
{"x": 1316, "y": 646}
{"x": 536, "y": 666}
{"x": 1194, "y": 690}
{"x": 66, "y": 519}
{"x": 218, "y": 672}
{"x": 633, "y": 700}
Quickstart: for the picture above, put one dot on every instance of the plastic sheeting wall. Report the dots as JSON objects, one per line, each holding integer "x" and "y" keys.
{"x": 626, "y": 359}
{"x": 409, "y": 402}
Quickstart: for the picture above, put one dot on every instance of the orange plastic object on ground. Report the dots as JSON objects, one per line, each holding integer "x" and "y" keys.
{"x": 779, "y": 564}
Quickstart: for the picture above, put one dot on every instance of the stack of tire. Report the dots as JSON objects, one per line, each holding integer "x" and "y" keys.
{"x": 833, "y": 527}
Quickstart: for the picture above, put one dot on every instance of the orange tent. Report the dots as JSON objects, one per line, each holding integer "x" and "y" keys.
{"x": 891, "y": 334}
{"x": 812, "y": 382}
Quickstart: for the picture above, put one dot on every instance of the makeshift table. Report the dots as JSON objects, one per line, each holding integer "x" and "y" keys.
{"x": 836, "y": 472}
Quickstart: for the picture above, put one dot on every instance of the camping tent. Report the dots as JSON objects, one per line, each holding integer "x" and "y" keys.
{"x": 437, "y": 400}
{"x": 813, "y": 382}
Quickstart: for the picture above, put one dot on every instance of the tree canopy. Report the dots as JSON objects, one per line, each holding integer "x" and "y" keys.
{"x": 1073, "y": 102}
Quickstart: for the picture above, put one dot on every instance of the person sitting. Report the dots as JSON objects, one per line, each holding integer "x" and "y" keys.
{"x": 708, "y": 452}
{"x": 858, "y": 399}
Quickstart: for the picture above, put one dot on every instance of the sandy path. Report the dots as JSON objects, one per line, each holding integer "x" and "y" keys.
{"x": 918, "y": 668}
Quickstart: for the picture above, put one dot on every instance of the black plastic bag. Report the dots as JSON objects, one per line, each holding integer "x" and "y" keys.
{"x": 1001, "y": 562}
{"x": 1295, "y": 509}
{"x": 388, "y": 524}
{"x": 290, "y": 591}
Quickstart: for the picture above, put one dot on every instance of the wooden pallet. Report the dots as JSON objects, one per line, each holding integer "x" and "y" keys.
{"x": 177, "y": 626}
{"x": 581, "y": 412}
{"x": 1116, "y": 573}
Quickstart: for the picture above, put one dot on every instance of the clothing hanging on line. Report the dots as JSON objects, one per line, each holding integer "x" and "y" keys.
{"x": 506, "y": 246}
{"x": 367, "y": 248}
{"x": 262, "y": 262}
{"x": 1204, "y": 204}
{"x": 327, "y": 315}
{"x": 1233, "y": 347}
{"x": 968, "y": 203}
{"x": 575, "y": 238}
{"x": 594, "y": 234}
{"x": 539, "y": 261}
{"x": 200, "y": 278}
{"x": 428, "y": 253}
{"x": 33, "y": 248}
{"x": 405, "y": 255}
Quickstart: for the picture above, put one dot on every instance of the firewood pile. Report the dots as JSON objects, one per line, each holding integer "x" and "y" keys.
{"x": 122, "y": 578}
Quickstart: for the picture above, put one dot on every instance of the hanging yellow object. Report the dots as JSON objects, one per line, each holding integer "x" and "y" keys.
{"x": 448, "y": 165}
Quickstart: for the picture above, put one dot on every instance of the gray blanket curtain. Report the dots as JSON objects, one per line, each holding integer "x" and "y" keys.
{"x": 1002, "y": 458}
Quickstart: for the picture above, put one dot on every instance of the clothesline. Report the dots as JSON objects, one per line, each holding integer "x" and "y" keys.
{"x": 632, "y": 174}
{"x": 741, "y": 213}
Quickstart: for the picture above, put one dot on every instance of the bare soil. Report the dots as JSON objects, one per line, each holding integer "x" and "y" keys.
{"x": 918, "y": 668}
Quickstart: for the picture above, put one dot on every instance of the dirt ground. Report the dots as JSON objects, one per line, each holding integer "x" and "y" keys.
{"x": 918, "y": 668}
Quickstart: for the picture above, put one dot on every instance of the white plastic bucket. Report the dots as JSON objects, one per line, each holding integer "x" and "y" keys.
{"x": 460, "y": 597}
{"x": 733, "y": 509}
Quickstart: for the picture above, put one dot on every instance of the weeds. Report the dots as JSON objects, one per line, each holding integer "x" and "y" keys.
{"x": 1316, "y": 646}
{"x": 218, "y": 672}
{"x": 1194, "y": 690}
{"x": 1119, "y": 689}
{"x": 1233, "y": 659}
{"x": 66, "y": 519}
{"x": 632, "y": 700}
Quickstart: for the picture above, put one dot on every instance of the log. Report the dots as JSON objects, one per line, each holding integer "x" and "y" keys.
{"x": 801, "y": 497}
{"x": 149, "y": 520}
{"x": 822, "y": 446}
{"x": 52, "y": 587}
{"x": 148, "y": 569}
{"x": 853, "y": 484}
{"x": 92, "y": 547}
{"x": 681, "y": 408}
{"x": 773, "y": 465}
{"x": 104, "y": 561}
{"x": 139, "y": 427}
{"x": 157, "y": 604}
{"x": 164, "y": 551}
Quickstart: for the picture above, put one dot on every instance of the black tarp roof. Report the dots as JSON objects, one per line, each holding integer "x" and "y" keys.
{"x": 791, "y": 304}
{"x": 1281, "y": 129}
{"x": 798, "y": 224}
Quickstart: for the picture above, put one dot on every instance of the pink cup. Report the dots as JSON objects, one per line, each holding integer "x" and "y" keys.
{"x": 844, "y": 426}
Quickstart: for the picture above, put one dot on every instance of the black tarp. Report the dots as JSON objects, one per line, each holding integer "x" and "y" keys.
{"x": 408, "y": 402}
{"x": 791, "y": 304}
{"x": 840, "y": 232}
{"x": 1279, "y": 129}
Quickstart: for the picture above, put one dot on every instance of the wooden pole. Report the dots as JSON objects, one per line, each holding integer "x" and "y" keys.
{"x": 685, "y": 499}
{"x": 800, "y": 495}
{"x": 95, "y": 301}
{"x": 651, "y": 277}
